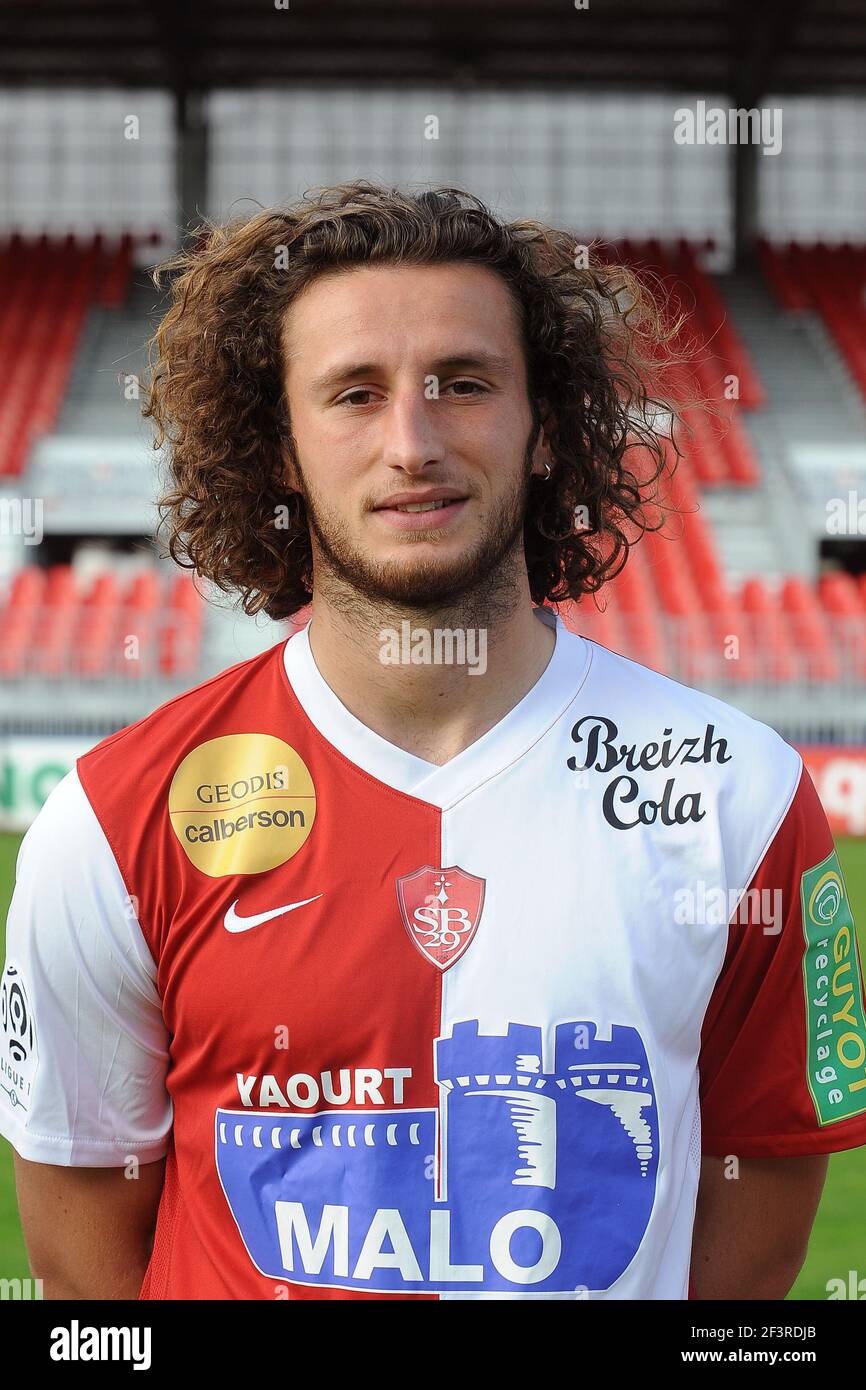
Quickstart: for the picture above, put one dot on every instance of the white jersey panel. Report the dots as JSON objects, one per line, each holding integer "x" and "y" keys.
{"x": 575, "y": 1016}
{"x": 83, "y": 1048}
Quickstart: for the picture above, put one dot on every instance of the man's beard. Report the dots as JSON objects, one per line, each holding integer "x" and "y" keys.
{"x": 482, "y": 581}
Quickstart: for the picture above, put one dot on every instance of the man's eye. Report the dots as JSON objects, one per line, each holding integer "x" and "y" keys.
{"x": 464, "y": 381}
{"x": 348, "y": 399}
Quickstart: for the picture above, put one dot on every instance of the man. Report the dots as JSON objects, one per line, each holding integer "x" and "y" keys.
{"x": 437, "y": 952}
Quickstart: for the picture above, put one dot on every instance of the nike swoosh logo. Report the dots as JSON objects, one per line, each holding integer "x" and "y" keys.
{"x": 234, "y": 922}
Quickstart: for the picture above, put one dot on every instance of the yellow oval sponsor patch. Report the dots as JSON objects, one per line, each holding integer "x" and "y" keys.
{"x": 241, "y": 804}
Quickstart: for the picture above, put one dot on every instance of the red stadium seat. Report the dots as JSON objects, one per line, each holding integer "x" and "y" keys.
{"x": 53, "y": 627}
{"x": 47, "y": 287}
{"x": 842, "y": 601}
{"x": 719, "y": 330}
{"x": 830, "y": 280}
{"x": 779, "y": 275}
{"x": 767, "y": 633}
{"x": 182, "y": 633}
{"x": 809, "y": 629}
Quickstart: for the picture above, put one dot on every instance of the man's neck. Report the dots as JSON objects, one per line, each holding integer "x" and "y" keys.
{"x": 431, "y": 707}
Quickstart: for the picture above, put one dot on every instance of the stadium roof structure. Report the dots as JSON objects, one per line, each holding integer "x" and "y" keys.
{"x": 741, "y": 50}
{"x": 741, "y": 47}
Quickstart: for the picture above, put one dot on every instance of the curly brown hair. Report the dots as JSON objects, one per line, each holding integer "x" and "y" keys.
{"x": 597, "y": 344}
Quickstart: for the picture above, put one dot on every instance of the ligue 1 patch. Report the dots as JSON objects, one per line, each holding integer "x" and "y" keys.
{"x": 441, "y": 909}
{"x": 241, "y": 804}
{"x": 18, "y": 1054}
{"x": 835, "y": 1023}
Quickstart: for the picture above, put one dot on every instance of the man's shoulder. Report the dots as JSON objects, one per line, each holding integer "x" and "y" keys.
{"x": 651, "y": 697}
{"x": 668, "y": 737}
{"x": 723, "y": 774}
{"x": 190, "y": 715}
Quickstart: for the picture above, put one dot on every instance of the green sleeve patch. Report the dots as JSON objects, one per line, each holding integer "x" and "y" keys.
{"x": 835, "y": 1025}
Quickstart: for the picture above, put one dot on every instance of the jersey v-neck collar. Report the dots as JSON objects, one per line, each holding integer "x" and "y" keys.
{"x": 508, "y": 740}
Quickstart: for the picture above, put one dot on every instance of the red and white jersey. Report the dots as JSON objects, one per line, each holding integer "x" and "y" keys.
{"x": 406, "y": 1030}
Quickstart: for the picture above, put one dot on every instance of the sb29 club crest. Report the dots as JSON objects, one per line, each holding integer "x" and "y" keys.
{"x": 441, "y": 909}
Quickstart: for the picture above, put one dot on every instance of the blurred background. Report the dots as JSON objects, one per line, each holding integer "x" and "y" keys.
{"x": 717, "y": 144}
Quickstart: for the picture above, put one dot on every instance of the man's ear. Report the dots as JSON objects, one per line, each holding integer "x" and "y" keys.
{"x": 542, "y": 453}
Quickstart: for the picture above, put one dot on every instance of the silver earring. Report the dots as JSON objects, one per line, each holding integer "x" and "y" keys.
{"x": 549, "y": 471}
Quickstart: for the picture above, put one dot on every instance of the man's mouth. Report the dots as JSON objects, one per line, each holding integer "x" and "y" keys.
{"x": 422, "y": 506}
{"x": 427, "y": 513}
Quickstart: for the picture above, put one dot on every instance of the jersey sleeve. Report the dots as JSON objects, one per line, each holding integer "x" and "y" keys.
{"x": 83, "y": 1046}
{"x": 783, "y": 1047}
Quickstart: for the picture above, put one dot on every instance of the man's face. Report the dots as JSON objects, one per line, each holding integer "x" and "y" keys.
{"x": 407, "y": 386}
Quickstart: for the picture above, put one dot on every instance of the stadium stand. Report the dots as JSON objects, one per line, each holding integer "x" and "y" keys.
{"x": 831, "y": 281}
{"x": 719, "y": 371}
{"x": 54, "y": 627}
{"x": 47, "y": 286}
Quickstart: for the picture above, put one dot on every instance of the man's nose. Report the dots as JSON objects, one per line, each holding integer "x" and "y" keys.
{"x": 412, "y": 437}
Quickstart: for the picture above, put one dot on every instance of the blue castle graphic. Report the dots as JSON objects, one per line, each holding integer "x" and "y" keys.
{"x": 525, "y": 1180}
